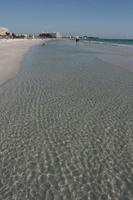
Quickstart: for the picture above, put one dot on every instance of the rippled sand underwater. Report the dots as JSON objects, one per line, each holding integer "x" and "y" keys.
{"x": 66, "y": 128}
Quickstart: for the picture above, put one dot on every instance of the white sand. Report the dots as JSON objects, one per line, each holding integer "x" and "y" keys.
{"x": 11, "y": 54}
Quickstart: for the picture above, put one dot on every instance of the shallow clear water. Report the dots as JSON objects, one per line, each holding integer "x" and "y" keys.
{"x": 66, "y": 127}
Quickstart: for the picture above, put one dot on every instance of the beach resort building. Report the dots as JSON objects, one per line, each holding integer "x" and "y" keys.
{"x": 50, "y": 35}
{"x": 58, "y": 35}
{"x": 3, "y": 31}
{"x": 55, "y": 35}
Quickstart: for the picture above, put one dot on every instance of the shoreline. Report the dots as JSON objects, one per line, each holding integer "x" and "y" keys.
{"x": 11, "y": 54}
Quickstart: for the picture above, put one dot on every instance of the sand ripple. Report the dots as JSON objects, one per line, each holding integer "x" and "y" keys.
{"x": 66, "y": 129}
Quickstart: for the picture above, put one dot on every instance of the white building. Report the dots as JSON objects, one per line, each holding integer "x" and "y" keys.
{"x": 3, "y": 31}
{"x": 58, "y": 35}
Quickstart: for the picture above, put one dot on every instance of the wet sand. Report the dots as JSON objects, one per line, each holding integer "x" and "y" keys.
{"x": 11, "y": 54}
{"x": 66, "y": 127}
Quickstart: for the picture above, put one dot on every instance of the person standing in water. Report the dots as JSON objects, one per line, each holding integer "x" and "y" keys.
{"x": 77, "y": 39}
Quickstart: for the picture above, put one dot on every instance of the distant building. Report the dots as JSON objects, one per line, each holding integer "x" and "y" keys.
{"x": 50, "y": 35}
{"x": 58, "y": 35}
{"x": 3, "y": 31}
{"x": 55, "y": 35}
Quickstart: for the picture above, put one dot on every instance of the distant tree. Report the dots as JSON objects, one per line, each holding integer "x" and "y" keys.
{"x": 14, "y": 35}
{"x": 45, "y": 35}
{"x": 7, "y": 33}
{"x": 21, "y": 36}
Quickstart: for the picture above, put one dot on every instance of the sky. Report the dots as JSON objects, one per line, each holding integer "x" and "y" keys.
{"x": 101, "y": 18}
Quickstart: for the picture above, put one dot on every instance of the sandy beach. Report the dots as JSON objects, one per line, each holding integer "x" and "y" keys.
{"x": 11, "y": 54}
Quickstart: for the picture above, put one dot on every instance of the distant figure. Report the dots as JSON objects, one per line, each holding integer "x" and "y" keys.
{"x": 77, "y": 40}
{"x": 43, "y": 44}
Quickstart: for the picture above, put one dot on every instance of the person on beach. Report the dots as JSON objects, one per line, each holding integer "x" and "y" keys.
{"x": 77, "y": 40}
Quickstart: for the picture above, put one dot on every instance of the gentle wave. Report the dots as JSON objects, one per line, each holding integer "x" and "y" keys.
{"x": 113, "y": 43}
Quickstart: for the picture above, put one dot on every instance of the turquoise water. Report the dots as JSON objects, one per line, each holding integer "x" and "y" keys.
{"x": 66, "y": 127}
{"x": 114, "y": 41}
